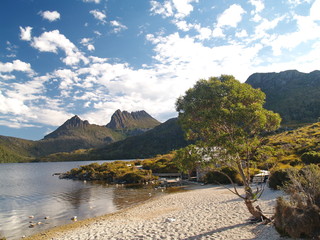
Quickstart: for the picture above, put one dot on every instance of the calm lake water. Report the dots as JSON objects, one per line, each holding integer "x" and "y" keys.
{"x": 29, "y": 189}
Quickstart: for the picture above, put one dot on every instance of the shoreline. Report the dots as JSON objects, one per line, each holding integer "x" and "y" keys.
{"x": 203, "y": 212}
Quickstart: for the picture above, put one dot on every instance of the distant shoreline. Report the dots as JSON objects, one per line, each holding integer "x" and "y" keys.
{"x": 205, "y": 212}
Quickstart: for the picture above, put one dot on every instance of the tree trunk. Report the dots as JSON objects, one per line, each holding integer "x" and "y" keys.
{"x": 256, "y": 211}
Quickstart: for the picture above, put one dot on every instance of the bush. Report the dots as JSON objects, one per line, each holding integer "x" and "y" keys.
{"x": 278, "y": 178}
{"x": 300, "y": 217}
{"x": 295, "y": 221}
{"x": 311, "y": 157}
{"x": 217, "y": 177}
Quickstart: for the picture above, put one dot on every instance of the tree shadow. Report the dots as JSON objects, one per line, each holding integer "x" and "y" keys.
{"x": 219, "y": 230}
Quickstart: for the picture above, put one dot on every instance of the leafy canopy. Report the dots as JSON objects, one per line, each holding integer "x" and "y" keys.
{"x": 222, "y": 112}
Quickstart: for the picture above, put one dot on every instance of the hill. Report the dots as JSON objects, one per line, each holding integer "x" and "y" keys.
{"x": 292, "y": 94}
{"x": 290, "y": 145}
{"x": 159, "y": 140}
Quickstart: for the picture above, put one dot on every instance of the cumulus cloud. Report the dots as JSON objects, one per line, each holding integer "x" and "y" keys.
{"x": 16, "y": 65}
{"x": 87, "y": 42}
{"x": 99, "y": 16}
{"x": 231, "y": 16}
{"x": 169, "y": 8}
{"x": 50, "y": 15}
{"x": 315, "y": 10}
{"x": 25, "y": 33}
{"x": 54, "y": 40}
{"x": 117, "y": 26}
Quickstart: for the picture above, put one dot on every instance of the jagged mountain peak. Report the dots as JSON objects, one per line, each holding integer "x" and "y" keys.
{"x": 125, "y": 120}
{"x": 75, "y": 121}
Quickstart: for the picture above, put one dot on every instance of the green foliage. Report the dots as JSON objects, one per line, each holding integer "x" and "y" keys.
{"x": 300, "y": 216}
{"x": 161, "y": 164}
{"x": 278, "y": 178}
{"x": 118, "y": 171}
{"x": 187, "y": 159}
{"x": 219, "y": 176}
{"x": 295, "y": 143}
{"x": 125, "y": 171}
{"x": 311, "y": 157}
{"x": 227, "y": 119}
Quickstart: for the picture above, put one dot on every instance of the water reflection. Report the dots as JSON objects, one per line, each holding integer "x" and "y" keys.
{"x": 29, "y": 189}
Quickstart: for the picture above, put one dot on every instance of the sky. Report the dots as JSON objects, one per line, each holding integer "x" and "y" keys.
{"x": 60, "y": 58}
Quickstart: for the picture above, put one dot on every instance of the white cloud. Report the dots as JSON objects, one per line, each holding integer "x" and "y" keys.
{"x": 87, "y": 42}
{"x": 183, "y": 25}
{"x": 50, "y": 15}
{"x": 308, "y": 30}
{"x": 90, "y": 47}
{"x": 16, "y": 65}
{"x": 231, "y": 16}
{"x": 258, "y": 4}
{"x": 298, "y": 2}
{"x": 266, "y": 25}
{"x": 218, "y": 32}
{"x": 7, "y": 77}
{"x": 117, "y": 26}
{"x": 315, "y": 10}
{"x": 204, "y": 33}
{"x": 169, "y": 8}
{"x": 242, "y": 33}
{"x": 99, "y": 16}
{"x": 25, "y": 33}
{"x": 54, "y": 40}
{"x": 165, "y": 9}
{"x": 95, "y": 1}
{"x": 183, "y": 7}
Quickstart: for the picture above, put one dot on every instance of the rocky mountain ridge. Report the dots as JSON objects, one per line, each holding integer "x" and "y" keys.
{"x": 125, "y": 120}
{"x": 292, "y": 94}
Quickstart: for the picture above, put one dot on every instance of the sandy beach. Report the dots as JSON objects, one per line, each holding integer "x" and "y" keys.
{"x": 206, "y": 212}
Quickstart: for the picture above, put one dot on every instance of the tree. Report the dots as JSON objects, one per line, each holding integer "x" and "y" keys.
{"x": 227, "y": 119}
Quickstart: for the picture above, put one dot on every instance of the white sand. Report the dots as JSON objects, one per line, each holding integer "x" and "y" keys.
{"x": 209, "y": 212}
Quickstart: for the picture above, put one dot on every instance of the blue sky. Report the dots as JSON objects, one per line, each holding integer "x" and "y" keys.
{"x": 91, "y": 57}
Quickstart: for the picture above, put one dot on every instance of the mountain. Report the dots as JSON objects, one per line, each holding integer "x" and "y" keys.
{"x": 133, "y": 123}
{"x": 159, "y": 140}
{"x": 292, "y": 94}
{"x": 76, "y": 134}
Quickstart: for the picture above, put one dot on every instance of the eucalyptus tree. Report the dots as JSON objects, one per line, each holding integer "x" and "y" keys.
{"x": 228, "y": 121}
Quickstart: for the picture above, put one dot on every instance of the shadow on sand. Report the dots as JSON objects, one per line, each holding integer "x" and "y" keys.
{"x": 222, "y": 229}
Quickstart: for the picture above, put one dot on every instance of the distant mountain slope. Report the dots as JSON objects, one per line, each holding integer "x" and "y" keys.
{"x": 161, "y": 139}
{"x": 292, "y": 94}
{"x": 132, "y": 123}
{"x": 16, "y": 149}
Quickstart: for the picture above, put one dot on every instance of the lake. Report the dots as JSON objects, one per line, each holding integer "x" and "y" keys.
{"x": 30, "y": 193}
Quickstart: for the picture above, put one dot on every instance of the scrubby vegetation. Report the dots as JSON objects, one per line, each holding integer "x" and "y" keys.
{"x": 219, "y": 176}
{"x": 114, "y": 172}
{"x": 292, "y": 145}
{"x": 138, "y": 171}
{"x": 300, "y": 215}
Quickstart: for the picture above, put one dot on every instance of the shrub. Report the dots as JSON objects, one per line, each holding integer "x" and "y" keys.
{"x": 300, "y": 217}
{"x": 278, "y": 178}
{"x": 311, "y": 157}
{"x": 216, "y": 177}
